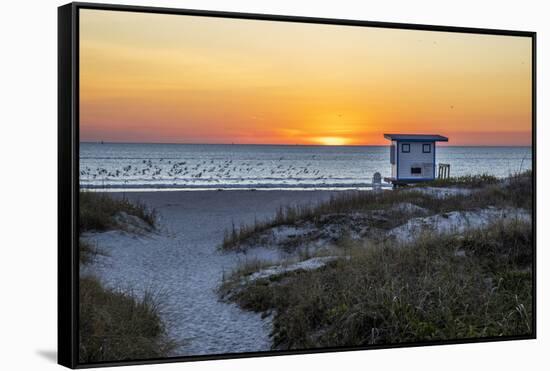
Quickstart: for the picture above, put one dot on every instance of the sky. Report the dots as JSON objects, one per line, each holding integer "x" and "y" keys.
{"x": 161, "y": 78}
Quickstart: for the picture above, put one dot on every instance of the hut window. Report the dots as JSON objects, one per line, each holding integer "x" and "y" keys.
{"x": 416, "y": 170}
{"x": 392, "y": 155}
{"x": 426, "y": 148}
{"x": 405, "y": 148}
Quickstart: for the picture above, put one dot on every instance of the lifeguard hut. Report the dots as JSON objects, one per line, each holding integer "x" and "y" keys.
{"x": 412, "y": 157}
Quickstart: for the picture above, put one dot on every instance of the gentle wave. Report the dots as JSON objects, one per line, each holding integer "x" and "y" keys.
{"x": 227, "y": 186}
{"x": 191, "y": 167}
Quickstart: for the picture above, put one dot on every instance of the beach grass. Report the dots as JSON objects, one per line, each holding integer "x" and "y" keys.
{"x": 88, "y": 251}
{"x": 515, "y": 191}
{"x": 98, "y": 211}
{"x": 470, "y": 181}
{"x": 117, "y": 326}
{"x": 478, "y": 284}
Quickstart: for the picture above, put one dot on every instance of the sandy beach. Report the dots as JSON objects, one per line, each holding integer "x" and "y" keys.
{"x": 182, "y": 263}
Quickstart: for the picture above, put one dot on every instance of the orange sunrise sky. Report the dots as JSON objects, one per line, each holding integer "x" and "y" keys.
{"x": 188, "y": 79}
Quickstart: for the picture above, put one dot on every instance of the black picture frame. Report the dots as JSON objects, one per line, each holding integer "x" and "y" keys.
{"x": 68, "y": 174}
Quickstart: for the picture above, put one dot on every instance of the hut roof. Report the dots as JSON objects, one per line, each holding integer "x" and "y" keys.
{"x": 417, "y": 137}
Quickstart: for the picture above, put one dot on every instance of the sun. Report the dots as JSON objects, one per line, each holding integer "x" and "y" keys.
{"x": 332, "y": 141}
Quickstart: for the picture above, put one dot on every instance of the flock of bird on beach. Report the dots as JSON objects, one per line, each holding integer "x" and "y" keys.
{"x": 208, "y": 170}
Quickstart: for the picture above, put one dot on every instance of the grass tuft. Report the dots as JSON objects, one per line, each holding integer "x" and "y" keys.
{"x": 116, "y": 326}
{"x": 467, "y": 181}
{"x": 98, "y": 211}
{"x": 514, "y": 191}
{"x": 88, "y": 252}
{"x": 437, "y": 288}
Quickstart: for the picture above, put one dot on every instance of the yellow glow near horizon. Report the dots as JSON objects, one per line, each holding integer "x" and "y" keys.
{"x": 190, "y": 79}
{"x": 332, "y": 141}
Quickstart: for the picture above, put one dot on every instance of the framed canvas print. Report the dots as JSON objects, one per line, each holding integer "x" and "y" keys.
{"x": 237, "y": 185}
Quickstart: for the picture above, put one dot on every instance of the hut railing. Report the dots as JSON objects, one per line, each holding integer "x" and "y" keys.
{"x": 444, "y": 171}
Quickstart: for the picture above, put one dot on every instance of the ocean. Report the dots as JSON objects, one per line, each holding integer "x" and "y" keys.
{"x": 142, "y": 166}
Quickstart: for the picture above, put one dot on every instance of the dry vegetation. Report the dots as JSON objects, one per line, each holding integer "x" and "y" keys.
{"x": 515, "y": 191}
{"x": 115, "y": 325}
{"x": 98, "y": 211}
{"x": 88, "y": 252}
{"x": 438, "y": 288}
{"x": 476, "y": 284}
{"x": 469, "y": 181}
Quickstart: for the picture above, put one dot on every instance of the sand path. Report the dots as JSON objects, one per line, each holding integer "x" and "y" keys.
{"x": 182, "y": 262}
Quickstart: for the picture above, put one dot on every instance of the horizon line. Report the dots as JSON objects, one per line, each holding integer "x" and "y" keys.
{"x": 297, "y": 145}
